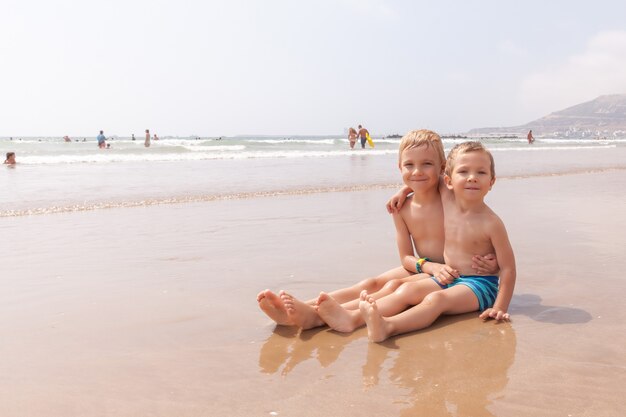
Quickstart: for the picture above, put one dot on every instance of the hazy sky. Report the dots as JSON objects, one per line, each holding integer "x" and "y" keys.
{"x": 300, "y": 67}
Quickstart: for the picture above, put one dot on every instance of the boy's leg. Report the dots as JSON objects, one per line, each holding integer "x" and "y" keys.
{"x": 303, "y": 313}
{"x": 370, "y": 285}
{"x": 456, "y": 300}
{"x": 344, "y": 320}
{"x": 408, "y": 295}
{"x": 389, "y": 288}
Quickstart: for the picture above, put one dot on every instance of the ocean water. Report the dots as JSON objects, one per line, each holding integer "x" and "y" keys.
{"x": 56, "y": 176}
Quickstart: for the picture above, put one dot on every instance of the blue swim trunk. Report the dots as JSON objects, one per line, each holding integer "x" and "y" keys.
{"x": 485, "y": 287}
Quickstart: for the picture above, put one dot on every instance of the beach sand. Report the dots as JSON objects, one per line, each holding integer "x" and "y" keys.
{"x": 152, "y": 311}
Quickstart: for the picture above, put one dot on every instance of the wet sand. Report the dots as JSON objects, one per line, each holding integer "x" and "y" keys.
{"x": 152, "y": 311}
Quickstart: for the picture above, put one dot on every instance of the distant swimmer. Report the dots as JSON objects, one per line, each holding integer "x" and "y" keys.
{"x": 530, "y": 136}
{"x": 155, "y": 137}
{"x": 352, "y": 137}
{"x": 133, "y": 138}
{"x": 10, "y": 160}
{"x": 101, "y": 140}
{"x": 147, "y": 141}
{"x": 363, "y": 135}
{"x": 67, "y": 138}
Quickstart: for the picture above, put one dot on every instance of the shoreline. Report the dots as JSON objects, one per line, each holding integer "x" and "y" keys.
{"x": 146, "y": 202}
{"x": 69, "y": 187}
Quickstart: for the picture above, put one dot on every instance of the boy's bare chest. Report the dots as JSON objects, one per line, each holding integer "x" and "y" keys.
{"x": 467, "y": 231}
{"x": 425, "y": 219}
{"x": 427, "y": 230}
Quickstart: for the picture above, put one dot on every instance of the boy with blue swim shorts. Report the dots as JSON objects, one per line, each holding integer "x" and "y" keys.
{"x": 485, "y": 288}
{"x": 470, "y": 227}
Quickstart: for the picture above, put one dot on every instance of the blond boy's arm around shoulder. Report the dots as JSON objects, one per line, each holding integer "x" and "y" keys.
{"x": 506, "y": 260}
{"x": 397, "y": 200}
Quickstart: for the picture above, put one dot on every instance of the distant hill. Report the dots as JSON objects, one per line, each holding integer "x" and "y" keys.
{"x": 603, "y": 117}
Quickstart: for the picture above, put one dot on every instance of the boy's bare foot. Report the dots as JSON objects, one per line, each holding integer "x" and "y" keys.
{"x": 300, "y": 314}
{"x": 378, "y": 329}
{"x": 273, "y": 306}
{"x": 337, "y": 317}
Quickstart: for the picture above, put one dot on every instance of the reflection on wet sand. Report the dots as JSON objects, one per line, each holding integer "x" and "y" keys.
{"x": 452, "y": 368}
{"x": 290, "y": 347}
{"x": 456, "y": 367}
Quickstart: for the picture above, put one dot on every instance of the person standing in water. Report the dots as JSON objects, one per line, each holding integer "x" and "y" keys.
{"x": 101, "y": 140}
{"x": 363, "y": 136}
{"x": 147, "y": 142}
{"x": 530, "y": 137}
{"x": 352, "y": 137}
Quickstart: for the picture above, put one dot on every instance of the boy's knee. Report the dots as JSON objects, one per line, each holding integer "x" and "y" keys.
{"x": 393, "y": 285}
{"x": 369, "y": 284}
{"x": 434, "y": 298}
{"x": 404, "y": 289}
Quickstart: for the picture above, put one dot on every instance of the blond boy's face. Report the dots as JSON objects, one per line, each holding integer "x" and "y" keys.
{"x": 420, "y": 168}
{"x": 471, "y": 177}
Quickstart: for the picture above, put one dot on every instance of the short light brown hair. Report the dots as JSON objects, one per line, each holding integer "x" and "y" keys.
{"x": 467, "y": 147}
{"x": 416, "y": 138}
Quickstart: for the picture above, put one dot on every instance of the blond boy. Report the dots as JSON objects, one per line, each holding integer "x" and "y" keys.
{"x": 470, "y": 227}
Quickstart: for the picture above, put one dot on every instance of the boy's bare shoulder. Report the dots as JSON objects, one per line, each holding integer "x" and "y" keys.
{"x": 413, "y": 210}
{"x": 407, "y": 203}
{"x": 492, "y": 220}
{"x": 405, "y": 210}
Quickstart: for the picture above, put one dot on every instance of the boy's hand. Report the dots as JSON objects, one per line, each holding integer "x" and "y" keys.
{"x": 446, "y": 274}
{"x": 494, "y": 313}
{"x": 485, "y": 265}
{"x": 395, "y": 202}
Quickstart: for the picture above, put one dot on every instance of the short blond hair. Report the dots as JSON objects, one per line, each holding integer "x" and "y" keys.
{"x": 467, "y": 147}
{"x": 420, "y": 137}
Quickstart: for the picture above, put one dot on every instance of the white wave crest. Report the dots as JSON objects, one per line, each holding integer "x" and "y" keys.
{"x": 309, "y": 141}
{"x": 109, "y": 157}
